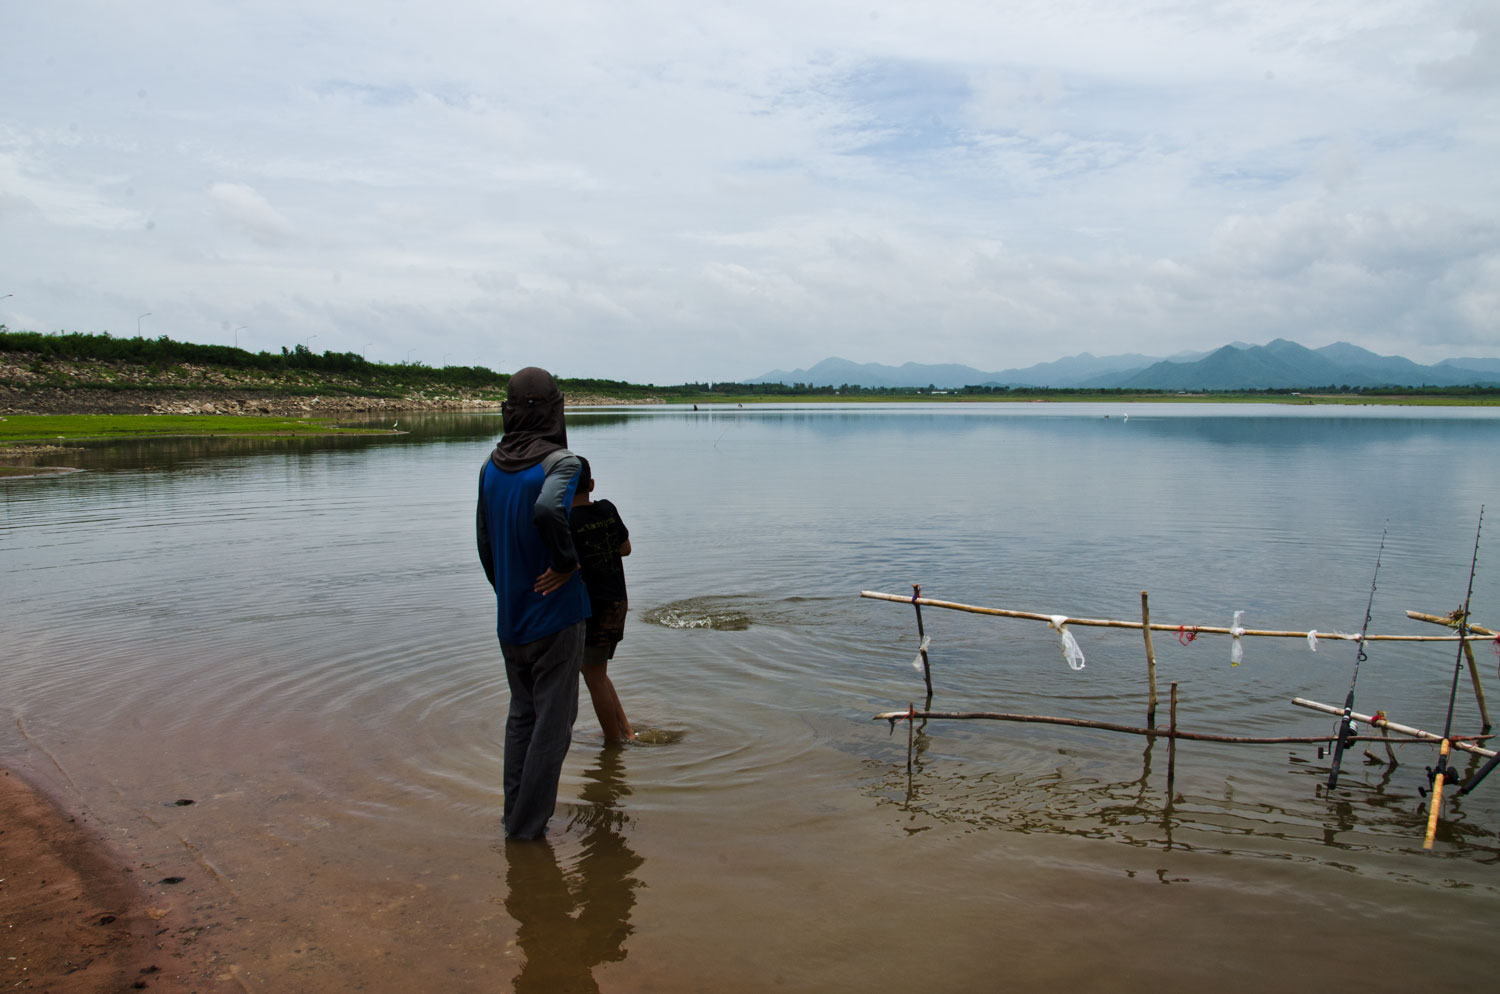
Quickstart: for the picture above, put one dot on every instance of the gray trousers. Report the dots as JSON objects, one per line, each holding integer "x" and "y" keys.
{"x": 543, "y": 679}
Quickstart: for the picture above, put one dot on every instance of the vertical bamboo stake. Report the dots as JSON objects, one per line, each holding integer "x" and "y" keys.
{"x": 916, "y": 591}
{"x": 1390, "y": 753}
{"x": 1150, "y": 662}
{"x": 911, "y": 739}
{"x": 1484, "y": 711}
{"x": 1172, "y": 743}
{"x": 1451, "y": 621}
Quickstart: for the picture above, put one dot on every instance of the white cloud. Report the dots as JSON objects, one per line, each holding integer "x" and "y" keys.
{"x": 242, "y": 207}
{"x": 675, "y": 191}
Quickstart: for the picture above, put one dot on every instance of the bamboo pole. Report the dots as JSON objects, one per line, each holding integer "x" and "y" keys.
{"x": 1415, "y": 733}
{"x": 1133, "y": 625}
{"x": 1150, "y": 661}
{"x": 911, "y": 739}
{"x": 916, "y": 594}
{"x": 1172, "y": 742}
{"x": 1390, "y": 754}
{"x": 1449, "y": 621}
{"x": 1167, "y": 733}
{"x": 1484, "y": 708}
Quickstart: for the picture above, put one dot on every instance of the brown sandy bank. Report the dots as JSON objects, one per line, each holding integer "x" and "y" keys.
{"x": 74, "y": 917}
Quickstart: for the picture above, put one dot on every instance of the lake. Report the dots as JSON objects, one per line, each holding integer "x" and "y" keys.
{"x": 295, "y": 634}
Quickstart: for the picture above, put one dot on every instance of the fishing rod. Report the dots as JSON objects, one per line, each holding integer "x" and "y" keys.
{"x": 1439, "y": 774}
{"x": 1484, "y": 770}
{"x": 1346, "y": 725}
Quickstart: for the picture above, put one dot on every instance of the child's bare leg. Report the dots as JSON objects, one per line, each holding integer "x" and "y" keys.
{"x": 607, "y": 707}
{"x": 627, "y": 734}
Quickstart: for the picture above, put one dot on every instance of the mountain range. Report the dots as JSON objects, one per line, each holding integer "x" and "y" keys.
{"x": 1277, "y": 365}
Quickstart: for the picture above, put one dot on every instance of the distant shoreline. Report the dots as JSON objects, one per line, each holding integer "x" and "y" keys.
{"x": 93, "y": 374}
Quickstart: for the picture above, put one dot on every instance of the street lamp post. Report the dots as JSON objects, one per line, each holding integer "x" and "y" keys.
{"x": 237, "y": 335}
{"x": 309, "y": 343}
{"x": 138, "y": 324}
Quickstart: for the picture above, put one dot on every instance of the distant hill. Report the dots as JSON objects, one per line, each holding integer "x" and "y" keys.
{"x": 1283, "y": 365}
{"x": 948, "y": 376}
{"x": 1277, "y": 365}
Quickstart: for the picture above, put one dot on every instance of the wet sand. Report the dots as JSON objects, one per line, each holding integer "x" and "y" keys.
{"x": 74, "y": 916}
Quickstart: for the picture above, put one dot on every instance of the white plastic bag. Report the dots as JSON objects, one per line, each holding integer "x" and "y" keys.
{"x": 916, "y": 664}
{"x": 1072, "y": 654}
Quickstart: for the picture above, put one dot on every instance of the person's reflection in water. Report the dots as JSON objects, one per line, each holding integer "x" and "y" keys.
{"x": 571, "y": 922}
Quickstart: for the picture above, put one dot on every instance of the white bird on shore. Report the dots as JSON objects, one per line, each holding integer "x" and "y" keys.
{"x": 394, "y": 424}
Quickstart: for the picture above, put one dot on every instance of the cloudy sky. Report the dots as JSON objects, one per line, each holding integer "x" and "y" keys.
{"x": 665, "y": 191}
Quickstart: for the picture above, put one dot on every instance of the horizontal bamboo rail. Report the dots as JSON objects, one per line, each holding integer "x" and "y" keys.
{"x": 1109, "y": 726}
{"x": 1476, "y": 634}
{"x": 1415, "y": 733}
{"x": 1451, "y": 622}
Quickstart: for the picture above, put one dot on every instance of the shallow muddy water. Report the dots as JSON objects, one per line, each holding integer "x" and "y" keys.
{"x": 296, "y": 635}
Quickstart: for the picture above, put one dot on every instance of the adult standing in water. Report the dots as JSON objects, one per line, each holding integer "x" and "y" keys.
{"x": 525, "y": 490}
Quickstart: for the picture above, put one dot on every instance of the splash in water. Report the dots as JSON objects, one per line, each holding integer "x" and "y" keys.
{"x": 717, "y": 613}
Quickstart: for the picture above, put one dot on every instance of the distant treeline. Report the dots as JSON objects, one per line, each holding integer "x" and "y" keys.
{"x": 162, "y": 353}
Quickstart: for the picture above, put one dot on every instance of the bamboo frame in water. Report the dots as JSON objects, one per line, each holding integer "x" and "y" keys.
{"x": 1475, "y": 631}
{"x": 1416, "y": 733}
{"x": 1449, "y": 621}
{"x": 1466, "y": 636}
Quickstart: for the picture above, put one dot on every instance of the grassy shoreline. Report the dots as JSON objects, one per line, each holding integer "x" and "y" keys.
{"x": 47, "y": 428}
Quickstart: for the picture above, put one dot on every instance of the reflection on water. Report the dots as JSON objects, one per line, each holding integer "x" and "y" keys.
{"x": 1146, "y": 811}
{"x": 572, "y": 921}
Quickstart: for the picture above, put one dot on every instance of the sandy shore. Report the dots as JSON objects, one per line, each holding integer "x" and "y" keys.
{"x": 76, "y": 918}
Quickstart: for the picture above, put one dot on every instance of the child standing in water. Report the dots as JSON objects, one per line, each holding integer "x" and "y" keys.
{"x": 601, "y": 539}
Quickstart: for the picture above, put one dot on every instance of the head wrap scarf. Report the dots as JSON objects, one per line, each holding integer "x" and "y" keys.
{"x": 532, "y": 416}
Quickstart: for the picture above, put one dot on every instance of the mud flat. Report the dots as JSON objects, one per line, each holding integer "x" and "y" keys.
{"x": 75, "y": 916}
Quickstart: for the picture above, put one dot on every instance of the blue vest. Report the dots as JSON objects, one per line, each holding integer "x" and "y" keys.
{"x": 508, "y": 501}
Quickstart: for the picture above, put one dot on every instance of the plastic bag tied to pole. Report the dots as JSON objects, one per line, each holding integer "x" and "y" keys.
{"x": 916, "y": 664}
{"x": 1312, "y": 640}
{"x": 1072, "y": 654}
{"x": 1237, "y": 650}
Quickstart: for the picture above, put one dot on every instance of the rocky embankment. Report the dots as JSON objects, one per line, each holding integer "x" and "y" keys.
{"x": 32, "y": 385}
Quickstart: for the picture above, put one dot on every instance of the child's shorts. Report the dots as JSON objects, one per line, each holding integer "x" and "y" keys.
{"x": 605, "y": 627}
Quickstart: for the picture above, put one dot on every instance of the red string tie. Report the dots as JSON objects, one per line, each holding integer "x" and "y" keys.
{"x": 1186, "y": 635}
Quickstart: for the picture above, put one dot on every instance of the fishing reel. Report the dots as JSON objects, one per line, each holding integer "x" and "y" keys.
{"x": 1432, "y": 773}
